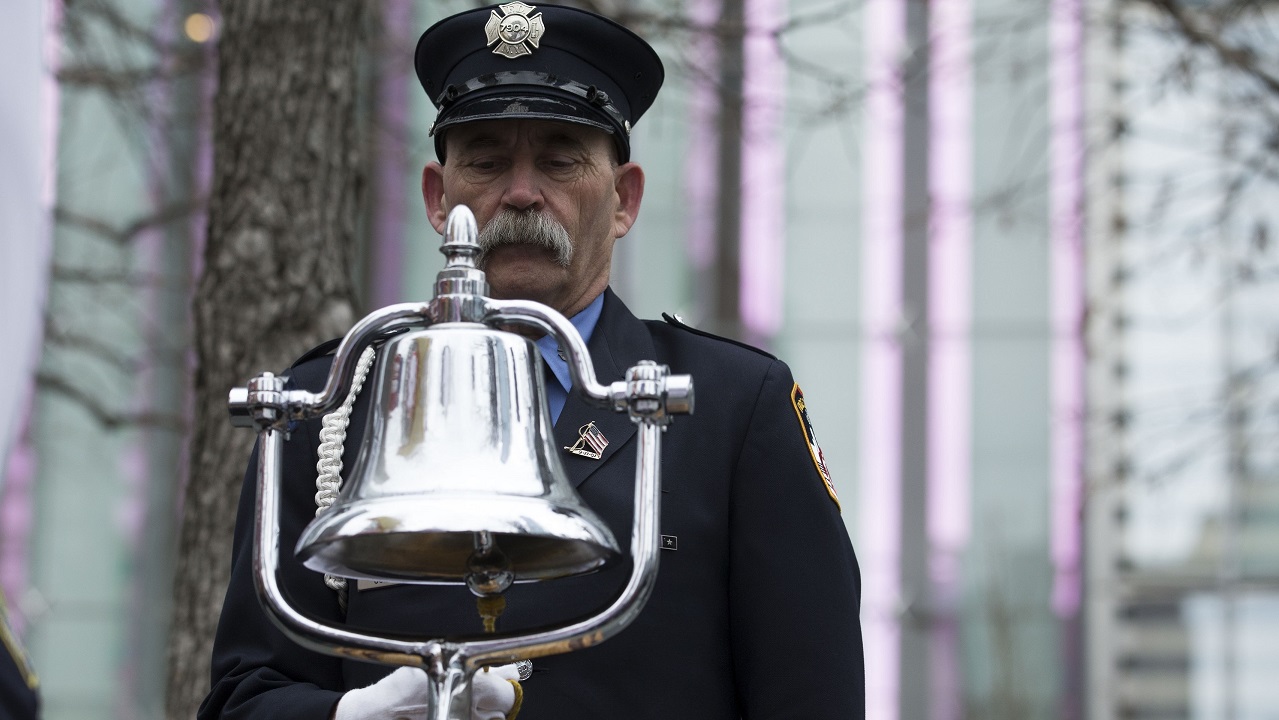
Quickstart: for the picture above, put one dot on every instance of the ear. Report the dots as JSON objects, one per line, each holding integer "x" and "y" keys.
{"x": 628, "y": 182}
{"x": 433, "y": 195}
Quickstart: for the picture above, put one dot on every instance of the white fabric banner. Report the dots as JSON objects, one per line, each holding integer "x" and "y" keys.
{"x": 28, "y": 103}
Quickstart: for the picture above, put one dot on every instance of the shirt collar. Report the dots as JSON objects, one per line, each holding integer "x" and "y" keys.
{"x": 585, "y": 322}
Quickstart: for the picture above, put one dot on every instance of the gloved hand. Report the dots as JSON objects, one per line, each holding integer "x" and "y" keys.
{"x": 402, "y": 694}
{"x": 494, "y": 692}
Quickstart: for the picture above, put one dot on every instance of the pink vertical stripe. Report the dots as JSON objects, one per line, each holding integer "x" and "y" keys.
{"x": 950, "y": 347}
{"x": 880, "y": 517}
{"x": 148, "y": 253}
{"x": 950, "y": 292}
{"x": 1066, "y": 234}
{"x": 17, "y": 512}
{"x": 700, "y": 180}
{"x": 386, "y": 281}
{"x": 763, "y": 158}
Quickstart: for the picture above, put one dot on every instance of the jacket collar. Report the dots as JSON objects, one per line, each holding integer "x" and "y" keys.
{"x": 619, "y": 342}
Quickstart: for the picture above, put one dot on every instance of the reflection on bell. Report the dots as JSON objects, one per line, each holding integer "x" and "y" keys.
{"x": 457, "y": 477}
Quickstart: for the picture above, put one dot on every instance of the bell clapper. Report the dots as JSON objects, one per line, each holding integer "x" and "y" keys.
{"x": 490, "y": 607}
{"x": 489, "y": 577}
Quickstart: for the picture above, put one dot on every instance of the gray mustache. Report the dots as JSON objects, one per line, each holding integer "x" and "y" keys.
{"x": 530, "y": 227}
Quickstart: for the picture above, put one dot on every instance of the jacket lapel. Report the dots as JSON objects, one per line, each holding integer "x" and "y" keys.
{"x": 618, "y": 343}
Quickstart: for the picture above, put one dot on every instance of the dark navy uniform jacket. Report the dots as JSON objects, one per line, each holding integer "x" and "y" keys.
{"x": 754, "y": 615}
{"x": 18, "y": 697}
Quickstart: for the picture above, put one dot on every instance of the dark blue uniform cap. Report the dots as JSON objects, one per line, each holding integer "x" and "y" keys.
{"x": 543, "y": 62}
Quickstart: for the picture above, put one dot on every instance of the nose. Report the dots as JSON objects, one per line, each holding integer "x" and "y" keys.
{"x": 523, "y": 192}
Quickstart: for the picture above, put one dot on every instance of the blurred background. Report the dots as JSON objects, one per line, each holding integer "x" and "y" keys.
{"x": 1018, "y": 253}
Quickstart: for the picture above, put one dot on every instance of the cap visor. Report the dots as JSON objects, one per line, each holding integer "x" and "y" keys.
{"x": 516, "y": 106}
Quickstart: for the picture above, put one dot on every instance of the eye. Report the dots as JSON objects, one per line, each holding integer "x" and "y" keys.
{"x": 558, "y": 163}
{"x": 485, "y": 165}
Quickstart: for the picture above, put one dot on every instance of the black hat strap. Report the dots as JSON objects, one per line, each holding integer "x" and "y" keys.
{"x": 591, "y": 94}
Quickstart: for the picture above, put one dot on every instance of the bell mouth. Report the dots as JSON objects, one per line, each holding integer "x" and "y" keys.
{"x": 431, "y": 539}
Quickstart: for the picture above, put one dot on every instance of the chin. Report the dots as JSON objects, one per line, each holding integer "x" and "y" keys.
{"x": 524, "y": 279}
{"x": 519, "y": 284}
{"x": 536, "y": 294}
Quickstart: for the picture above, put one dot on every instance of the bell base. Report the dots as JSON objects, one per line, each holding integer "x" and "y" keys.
{"x": 429, "y": 540}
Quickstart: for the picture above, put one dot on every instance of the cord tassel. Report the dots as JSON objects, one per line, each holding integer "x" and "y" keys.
{"x": 328, "y": 482}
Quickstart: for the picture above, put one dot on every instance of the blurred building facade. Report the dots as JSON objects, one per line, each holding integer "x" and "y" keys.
{"x": 1183, "y": 516}
{"x": 1040, "y": 380}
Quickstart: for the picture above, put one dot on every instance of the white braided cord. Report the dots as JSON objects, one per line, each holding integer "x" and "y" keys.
{"x": 329, "y": 465}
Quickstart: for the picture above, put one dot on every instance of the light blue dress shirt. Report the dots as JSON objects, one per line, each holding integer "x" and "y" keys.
{"x": 557, "y": 393}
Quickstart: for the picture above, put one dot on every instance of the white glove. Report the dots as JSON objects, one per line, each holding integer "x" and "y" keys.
{"x": 493, "y": 692}
{"x": 403, "y": 693}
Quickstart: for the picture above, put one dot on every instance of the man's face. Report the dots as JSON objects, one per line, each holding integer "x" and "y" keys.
{"x": 562, "y": 172}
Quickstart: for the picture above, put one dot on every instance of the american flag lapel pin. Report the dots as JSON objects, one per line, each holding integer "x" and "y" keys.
{"x": 590, "y": 442}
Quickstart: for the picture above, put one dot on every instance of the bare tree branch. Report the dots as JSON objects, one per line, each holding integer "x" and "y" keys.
{"x": 1242, "y": 59}
{"x": 80, "y": 13}
{"x": 58, "y": 336}
{"x": 108, "y": 418}
{"x": 120, "y": 79}
{"x": 121, "y": 236}
{"x": 97, "y": 276}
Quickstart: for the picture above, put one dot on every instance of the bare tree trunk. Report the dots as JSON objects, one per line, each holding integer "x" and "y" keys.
{"x": 288, "y": 192}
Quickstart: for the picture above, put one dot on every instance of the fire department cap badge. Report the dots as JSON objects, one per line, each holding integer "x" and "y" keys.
{"x": 806, "y": 426}
{"x": 514, "y": 30}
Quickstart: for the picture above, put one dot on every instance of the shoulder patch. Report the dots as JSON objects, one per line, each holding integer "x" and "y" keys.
{"x": 9, "y": 640}
{"x": 815, "y": 450}
{"x": 675, "y": 321}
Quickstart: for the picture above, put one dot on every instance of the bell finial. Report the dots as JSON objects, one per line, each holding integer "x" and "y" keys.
{"x": 461, "y": 238}
{"x": 460, "y": 288}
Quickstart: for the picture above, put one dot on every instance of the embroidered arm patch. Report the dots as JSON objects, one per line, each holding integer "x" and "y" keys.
{"x": 806, "y": 426}
{"x": 9, "y": 643}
